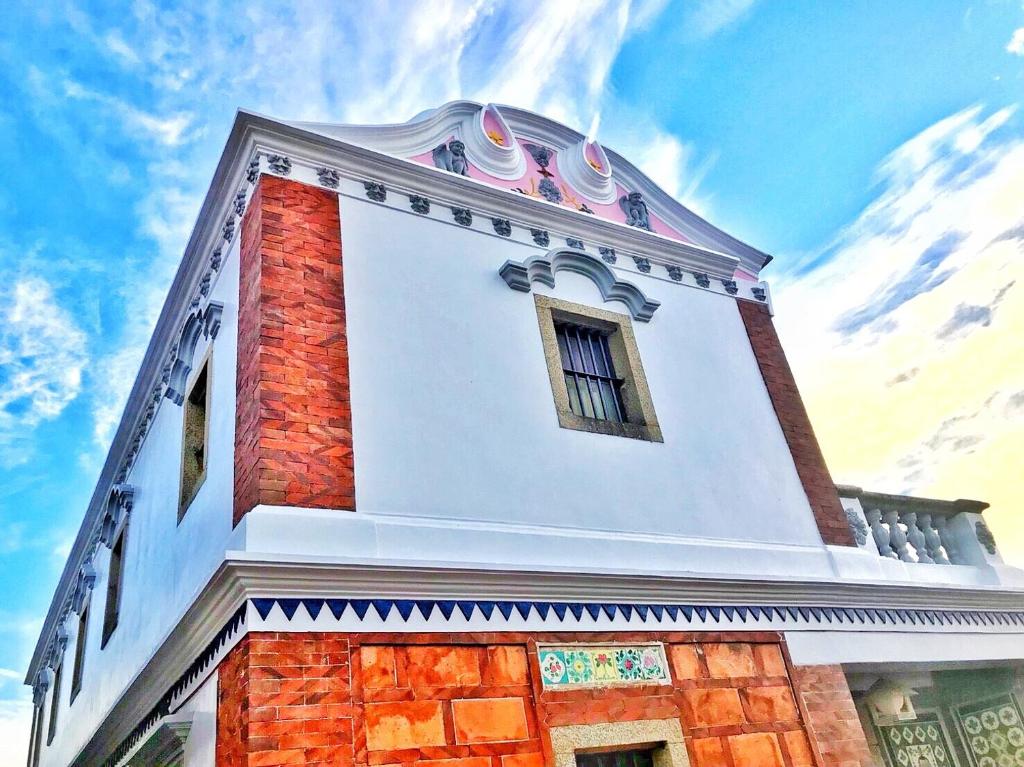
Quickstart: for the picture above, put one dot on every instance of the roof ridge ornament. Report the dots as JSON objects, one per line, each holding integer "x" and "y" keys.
{"x": 587, "y": 169}
{"x": 519, "y": 276}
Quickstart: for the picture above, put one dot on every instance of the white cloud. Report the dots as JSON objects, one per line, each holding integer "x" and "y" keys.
{"x": 1016, "y": 44}
{"x": 900, "y": 331}
{"x": 15, "y": 723}
{"x": 671, "y": 163}
{"x": 170, "y": 129}
{"x": 42, "y": 355}
{"x": 116, "y": 45}
{"x": 709, "y": 17}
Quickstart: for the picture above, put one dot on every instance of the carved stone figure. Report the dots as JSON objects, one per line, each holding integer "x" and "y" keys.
{"x": 730, "y": 287}
{"x": 451, "y": 157}
{"x": 702, "y": 279}
{"x": 462, "y": 216}
{"x": 858, "y": 526}
{"x": 643, "y": 264}
{"x": 375, "y": 191}
{"x": 540, "y": 237}
{"x": 759, "y": 293}
{"x": 985, "y": 537}
{"x": 549, "y": 191}
{"x": 573, "y": 242}
{"x": 280, "y": 164}
{"x": 502, "y": 226}
{"x": 253, "y": 171}
{"x": 635, "y": 208}
{"x": 541, "y": 155}
{"x": 329, "y": 177}
{"x": 607, "y": 254}
{"x": 419, "y": 204}
{"x": 675, "y": 272}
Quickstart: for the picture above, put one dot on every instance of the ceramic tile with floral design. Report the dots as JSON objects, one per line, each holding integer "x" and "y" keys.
{"x": 572, "y": 665}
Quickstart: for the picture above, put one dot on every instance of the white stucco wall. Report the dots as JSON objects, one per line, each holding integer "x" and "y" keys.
{"x": 453, "y": 414}
{"x": 166, "y": 563}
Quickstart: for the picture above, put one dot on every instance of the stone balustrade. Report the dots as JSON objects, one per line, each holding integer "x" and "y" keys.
{"x": 920, "y": 530}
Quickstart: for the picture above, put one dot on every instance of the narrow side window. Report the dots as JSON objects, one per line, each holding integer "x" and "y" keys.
{"x": 112, "y": 608}
{"x": 51, "y": 729}
{"x": 80, "y": 642}
{"x": 194, "y": 438}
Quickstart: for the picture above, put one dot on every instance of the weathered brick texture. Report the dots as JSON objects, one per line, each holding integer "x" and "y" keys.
{"x": 831, "y": 717}
{"x": 476, "y": 700}
{"x": 796, "y": 425}
{"x": 285, "y": 699}
{"x": 293, "y": 430}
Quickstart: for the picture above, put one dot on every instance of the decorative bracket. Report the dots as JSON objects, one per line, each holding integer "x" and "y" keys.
{"x": 519, "y": 276}
{"x": 119, "y": 508}
{"x": 205, "y": 322}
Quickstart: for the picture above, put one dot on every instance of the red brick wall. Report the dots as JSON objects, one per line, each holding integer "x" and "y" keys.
{"x": 293, "y": 430}
{"x": 796, "y": 425}
{"x": 831, "y": 717}
{"x": 285, "y": 699}
{"x": 476, "y": 700}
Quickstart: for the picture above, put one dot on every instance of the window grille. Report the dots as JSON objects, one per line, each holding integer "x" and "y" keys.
{"x": 594, "y": 389}
{"x": 632, "y": 758}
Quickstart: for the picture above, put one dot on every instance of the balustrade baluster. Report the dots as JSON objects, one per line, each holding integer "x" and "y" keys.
{"x": 947, "y": 540}
{"x": 898, "y": 536}
{"x": 916, "y": 537}
{"x": 933, "y": 540}
{"x": 880, "y": 533}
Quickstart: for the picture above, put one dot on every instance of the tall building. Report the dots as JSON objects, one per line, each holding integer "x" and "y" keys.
{"x": 459, "y": 443}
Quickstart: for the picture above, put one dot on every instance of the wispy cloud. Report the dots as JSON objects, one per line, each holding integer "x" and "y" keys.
{"x": 42, "y": 355}
{"x": 1016, "y": 44}
{"x": 709, "y": 17}
{"x": 900, "y": 329}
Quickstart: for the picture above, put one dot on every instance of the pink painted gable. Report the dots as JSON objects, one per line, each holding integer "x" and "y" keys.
{"x": 529, "y": 184}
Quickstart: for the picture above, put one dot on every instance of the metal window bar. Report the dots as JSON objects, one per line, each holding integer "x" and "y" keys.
{"x": 594, "y": 389}
{"x": 630, "y": 758}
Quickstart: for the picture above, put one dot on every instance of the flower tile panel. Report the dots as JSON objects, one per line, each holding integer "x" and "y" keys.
{"x": 567, "y": 666}
{"x": 993, "y": 732}
{"x": 919, "y": 743}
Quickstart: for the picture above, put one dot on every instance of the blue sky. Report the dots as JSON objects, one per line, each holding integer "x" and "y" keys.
{"x": 845, "y": 138}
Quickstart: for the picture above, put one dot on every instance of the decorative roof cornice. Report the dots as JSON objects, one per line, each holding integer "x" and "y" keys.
{"x": 426, "y": 130}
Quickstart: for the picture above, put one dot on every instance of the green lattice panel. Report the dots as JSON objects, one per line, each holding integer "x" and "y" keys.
{"x": 920, "y": 743}
{"x": 993, "y": 732}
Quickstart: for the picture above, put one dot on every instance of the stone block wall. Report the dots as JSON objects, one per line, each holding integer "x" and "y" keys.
{"x": 476, "y": 700}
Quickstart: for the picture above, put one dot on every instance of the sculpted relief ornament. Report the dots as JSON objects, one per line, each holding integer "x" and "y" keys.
{"x": 635, "y": 208}
{"x": 451, "y": 157}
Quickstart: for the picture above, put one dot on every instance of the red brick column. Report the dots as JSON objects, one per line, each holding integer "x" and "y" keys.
{"x": 285, "y": 699}
{"x": 293, "y": 430}
{"x": 831, "y": 718}
{"x": 796, "y": 425}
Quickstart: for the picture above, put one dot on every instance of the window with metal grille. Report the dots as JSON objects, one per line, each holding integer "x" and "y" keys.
{"x": 594, "y": 389}
{"x": 632, "y": 758}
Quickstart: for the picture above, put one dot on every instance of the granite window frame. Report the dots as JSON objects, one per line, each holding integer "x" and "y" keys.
{"x": 81, "y": 643}
{"x": 187, "y": 494}
{"x": 115, "y": 586}
{"x": 641, "y": 421}
{"x": 51, "y": 724}
{"x": 663, "y": 737}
